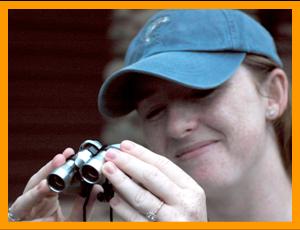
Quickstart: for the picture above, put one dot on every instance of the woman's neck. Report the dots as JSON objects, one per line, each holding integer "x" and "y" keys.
{"x": 264, "y": 194}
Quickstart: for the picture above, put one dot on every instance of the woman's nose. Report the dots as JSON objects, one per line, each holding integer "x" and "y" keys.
{"x": 181, "y": 121}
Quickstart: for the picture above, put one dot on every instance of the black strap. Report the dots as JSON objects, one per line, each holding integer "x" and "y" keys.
{"x": 86, "y": 201}
{"x": 111, "y": 215}
{"x": 86, "y": 190}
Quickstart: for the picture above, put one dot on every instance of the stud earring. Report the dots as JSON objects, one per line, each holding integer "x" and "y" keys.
{"x": 272, "y": 112}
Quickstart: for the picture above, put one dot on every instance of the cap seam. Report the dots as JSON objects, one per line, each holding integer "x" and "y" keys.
{"x": 230, "y": 28}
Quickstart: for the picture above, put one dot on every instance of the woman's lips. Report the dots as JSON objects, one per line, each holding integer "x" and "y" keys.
{"x": 195, "y": 150}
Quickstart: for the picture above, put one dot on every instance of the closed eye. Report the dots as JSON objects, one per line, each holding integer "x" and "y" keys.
{"x": 155, "y": 113}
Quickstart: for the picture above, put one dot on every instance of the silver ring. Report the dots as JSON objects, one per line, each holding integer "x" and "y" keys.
{"x": 12, "y": 217}
{"x": 152, "y": 215}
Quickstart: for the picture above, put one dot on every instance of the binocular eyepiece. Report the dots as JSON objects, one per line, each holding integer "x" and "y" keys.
{"x": 83, "y": 167}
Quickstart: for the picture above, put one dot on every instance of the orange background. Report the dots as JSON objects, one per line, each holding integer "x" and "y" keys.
{"x": 5, "y": 6}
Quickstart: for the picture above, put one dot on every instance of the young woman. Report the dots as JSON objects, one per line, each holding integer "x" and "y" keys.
{"x": 213, "y": 99}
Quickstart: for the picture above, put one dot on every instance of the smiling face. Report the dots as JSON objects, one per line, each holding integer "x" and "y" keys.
{"x": 217, "y": 136}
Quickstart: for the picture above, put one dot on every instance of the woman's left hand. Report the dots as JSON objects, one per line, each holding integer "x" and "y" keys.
{"x": 149, "y": 187}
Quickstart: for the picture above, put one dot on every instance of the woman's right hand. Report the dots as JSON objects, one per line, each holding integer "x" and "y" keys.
{"x": 39, "y": 203}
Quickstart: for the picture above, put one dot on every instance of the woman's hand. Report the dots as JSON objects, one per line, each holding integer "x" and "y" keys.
{"x": 149, "y": 187}
{"x": 39, "y": 203}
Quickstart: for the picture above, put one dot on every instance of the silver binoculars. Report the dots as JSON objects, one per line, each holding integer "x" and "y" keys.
{"x": 84, "y": 167}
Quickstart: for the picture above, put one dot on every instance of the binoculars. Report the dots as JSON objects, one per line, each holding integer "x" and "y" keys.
{"x": 83, "y": 169}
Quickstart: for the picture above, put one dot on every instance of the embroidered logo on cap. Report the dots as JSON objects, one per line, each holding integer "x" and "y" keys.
{"x": 153, "y": 26}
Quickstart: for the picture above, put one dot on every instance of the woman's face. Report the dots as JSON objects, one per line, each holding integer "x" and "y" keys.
{"x": 216, "y": 136}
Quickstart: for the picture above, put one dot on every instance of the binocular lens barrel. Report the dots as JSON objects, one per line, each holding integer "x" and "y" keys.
{"x": 91, "y": 175}
{"x": 91, "y": 171}
{"x": 61, "y": 177}
{"x": 56, "y": 182}
{"x": 86, "y": 165}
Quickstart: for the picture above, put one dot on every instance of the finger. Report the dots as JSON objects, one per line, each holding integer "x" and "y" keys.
{"x": 59, "y": 214}
{"x": 68, "y": 152}
{"x": 47, "y": 207}
{"x": 57, "y": 161}
{"x": 45, "y": 219}
{"x": 163, "y": 212}
{"x": 125, "y": 211}
{"x": 147, "y": 175}
{"x": 166, "y": 166}
{"x": 22, "y": 207}
{"x": 138, "y": 197}
{"x": 77, "y": 210}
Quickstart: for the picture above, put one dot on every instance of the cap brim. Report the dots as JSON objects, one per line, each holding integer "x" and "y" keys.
{"x": 199, "y": 70}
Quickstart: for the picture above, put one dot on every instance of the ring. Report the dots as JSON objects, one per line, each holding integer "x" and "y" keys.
{"x": 152, "y": 215}
{"x": 12, "y": 217}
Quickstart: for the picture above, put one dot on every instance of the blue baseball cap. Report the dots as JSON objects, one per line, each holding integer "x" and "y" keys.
{"x": 200, "y": 49}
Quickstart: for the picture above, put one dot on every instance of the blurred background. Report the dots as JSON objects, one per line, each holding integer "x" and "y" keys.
{"x": 57, "y": 62}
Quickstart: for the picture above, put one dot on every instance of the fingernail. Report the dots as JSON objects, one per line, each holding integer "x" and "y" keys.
{"x": 114, "y": 201}
{"x": 109, "y": 167}
{"x": 111, "y": 154}
{"x": 128, "y": 145}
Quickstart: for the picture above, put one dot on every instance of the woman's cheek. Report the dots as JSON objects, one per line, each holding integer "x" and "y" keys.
{"x": 246, "y": 135}
{"x": 154, "y": 138}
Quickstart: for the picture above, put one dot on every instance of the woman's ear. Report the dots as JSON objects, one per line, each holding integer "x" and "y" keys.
{"x": 276, "y": 87}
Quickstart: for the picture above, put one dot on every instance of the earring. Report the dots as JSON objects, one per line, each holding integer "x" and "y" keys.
{"x": 272, "y": 112}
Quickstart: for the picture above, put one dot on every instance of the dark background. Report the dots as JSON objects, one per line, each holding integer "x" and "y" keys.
{"x": 56, "y": 63}
{"x": 56, "y": 58}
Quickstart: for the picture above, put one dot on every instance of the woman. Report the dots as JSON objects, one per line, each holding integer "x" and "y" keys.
{"x": 210, "y": 91}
